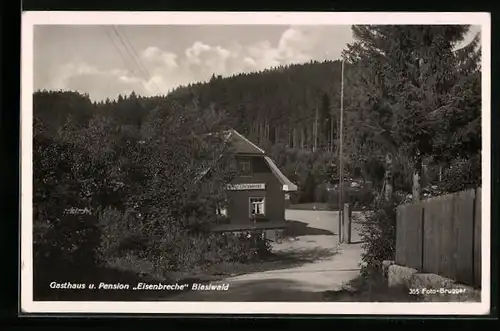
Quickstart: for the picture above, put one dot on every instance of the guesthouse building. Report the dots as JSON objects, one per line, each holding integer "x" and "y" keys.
{"x": 257, "y": 196}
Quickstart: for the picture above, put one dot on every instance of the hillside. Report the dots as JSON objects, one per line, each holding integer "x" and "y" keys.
{"x": 276, "y": 106}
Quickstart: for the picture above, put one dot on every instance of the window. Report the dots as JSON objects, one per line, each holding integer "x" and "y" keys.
{"x": 245, "y": 167}
{"x": 221, "y": 208}
{"x": 257, "y": 207}
{"x": 233, "y": 165}
{"x": 221, "y": 211}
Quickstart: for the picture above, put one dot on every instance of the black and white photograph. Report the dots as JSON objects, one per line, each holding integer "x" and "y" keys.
{"x": 255, "y": 163}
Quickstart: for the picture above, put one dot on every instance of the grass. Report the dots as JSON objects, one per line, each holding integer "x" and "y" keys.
{"x": 370, "y": 288}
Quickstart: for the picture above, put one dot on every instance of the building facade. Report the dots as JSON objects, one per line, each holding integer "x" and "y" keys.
{"x": 256, "y": 197}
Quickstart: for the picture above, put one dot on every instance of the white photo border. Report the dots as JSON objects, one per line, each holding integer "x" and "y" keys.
{"x": 31, "y": 19}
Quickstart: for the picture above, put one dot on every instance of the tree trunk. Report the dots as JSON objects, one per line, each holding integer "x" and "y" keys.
{"x": 417, "y": 175}
{"x": 331, "y": 133}
{"x": 294, "y": 138}
{"x": 267, "y": 130}
{"x": 263, "y": 132}
{"x": 388, "y": 184}
{"x": 313, "y": 130}
{"x": 302, "y": 138}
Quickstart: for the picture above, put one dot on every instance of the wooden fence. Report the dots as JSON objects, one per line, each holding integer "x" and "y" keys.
{"x": 442, "y": 235}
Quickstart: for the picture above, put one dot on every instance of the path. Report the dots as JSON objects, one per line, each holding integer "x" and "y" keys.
{"x": 316, "y": 233}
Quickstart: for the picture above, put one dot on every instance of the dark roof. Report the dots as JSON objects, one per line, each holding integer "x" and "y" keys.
{"x": 287, "y": 183}
{"x": 241, "y": 145}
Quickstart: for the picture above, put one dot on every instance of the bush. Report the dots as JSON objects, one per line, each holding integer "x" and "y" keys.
{"x": 361, "y": 198}
{"x": 124, "y": 238}
{"x": 321, "y": 194}
{"x": 462, "y": 175}
{"x": 63, "y": 234}
{"x": 121, "y": 234}
{"x": 378, "y": 233}
{"x": 357, "y": 198}
{"x": 248, "y": 247}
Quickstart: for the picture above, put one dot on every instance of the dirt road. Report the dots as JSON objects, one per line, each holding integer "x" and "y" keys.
{"x": 313, "y": 234}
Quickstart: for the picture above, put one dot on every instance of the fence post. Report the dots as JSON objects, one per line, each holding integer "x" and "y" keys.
{"x": 347, "y": 222}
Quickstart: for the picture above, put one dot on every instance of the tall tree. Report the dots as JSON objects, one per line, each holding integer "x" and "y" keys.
{"x": 405, "y": 74}
{"x": 326, "y": 118}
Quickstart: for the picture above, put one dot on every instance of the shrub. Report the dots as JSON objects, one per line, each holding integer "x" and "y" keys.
{"x": 378, "y": 233}
{"x": 63, "y": 235}
{"x": 321, "y": 194}
{"x": 120, "y": 234}
{"x": 125, "y": 238}
{"x": 462, "y": 175}
{"x": 357, "y": 198}
{"x": 360, "y": 198}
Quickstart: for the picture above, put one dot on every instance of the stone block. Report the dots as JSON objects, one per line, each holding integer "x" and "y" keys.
{"x": 399, "y": 275}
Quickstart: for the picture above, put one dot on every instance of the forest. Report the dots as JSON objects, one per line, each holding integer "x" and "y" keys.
{"x": 412, "y": 125}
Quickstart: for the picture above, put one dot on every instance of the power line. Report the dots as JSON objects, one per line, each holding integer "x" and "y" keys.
{"x": 127, "y": 62}
{"x": 120, "y": 52}
{"x": 131, "y": 51}
{"x": 127, "y": 50}
{"x": 127, "y": 40}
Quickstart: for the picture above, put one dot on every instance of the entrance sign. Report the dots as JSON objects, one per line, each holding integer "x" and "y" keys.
{"x": 244, "y": 187}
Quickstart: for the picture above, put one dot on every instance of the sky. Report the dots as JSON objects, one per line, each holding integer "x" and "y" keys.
{"x": 103, "y": 61}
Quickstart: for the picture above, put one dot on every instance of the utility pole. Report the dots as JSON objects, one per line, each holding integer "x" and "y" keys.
{"x": 316, "y": 129}
{"x": 330, "y": 146}
{"x": 341, "y": 159}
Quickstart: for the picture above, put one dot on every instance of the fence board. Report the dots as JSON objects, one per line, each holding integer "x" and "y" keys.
{"x": 446, "y": 225}
{"x": 409, "y": 236}
{"x": 437, "y": 224}
{"x": 442, "y": 235}
{"x": 430, "y": 247}
{"x": 401, "y": 232}
{"x": 463, "y": 247}
{"x": 477, "y": 239}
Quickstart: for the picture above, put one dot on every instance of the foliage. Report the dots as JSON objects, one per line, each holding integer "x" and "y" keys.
{"x": 276, "y": 106}
{"x": 362, "y": 198}
{"x": 61, "y": 182}
{"x": 136, "y": 182}
{"x": 414, "y": 92}
{"x": 462, "y": 174}
{"x": 419, "y": 97}
{"x": 378, "y": 233}
{"x": 173, "y": 250}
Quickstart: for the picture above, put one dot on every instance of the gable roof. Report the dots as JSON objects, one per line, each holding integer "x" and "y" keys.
{"x": 239, "y": 144}
{"x": 288, "y": 186}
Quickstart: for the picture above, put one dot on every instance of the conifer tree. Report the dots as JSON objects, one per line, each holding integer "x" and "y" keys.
{"x": 403, "y": 74}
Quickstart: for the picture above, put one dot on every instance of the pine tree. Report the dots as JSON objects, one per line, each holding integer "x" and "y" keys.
{"x": 404, "y": 74}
